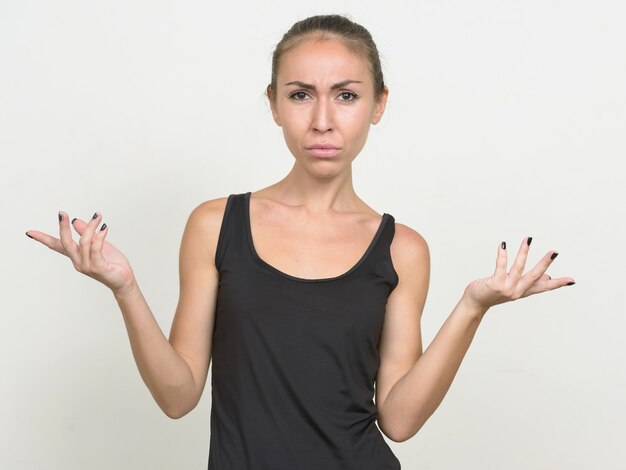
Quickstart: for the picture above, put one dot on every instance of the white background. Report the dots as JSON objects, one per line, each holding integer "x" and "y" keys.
{"x": 505, "y": 119}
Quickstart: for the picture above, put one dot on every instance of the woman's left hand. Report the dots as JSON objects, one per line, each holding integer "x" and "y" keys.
{"x": 504, "y": 287}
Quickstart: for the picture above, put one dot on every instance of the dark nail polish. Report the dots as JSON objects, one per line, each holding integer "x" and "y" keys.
{"x": 95, "y": 215}
{"x": 530, "y": 239}
{"x": 60, "y": 216}
{"x": 73, "y": 220}
{"x": 570, "y": 283}
{"x": 554, "y": 255}
{"x": 28, "y": 235}
{"x": 504, "y": 245}
{"x": 103, "y": 227}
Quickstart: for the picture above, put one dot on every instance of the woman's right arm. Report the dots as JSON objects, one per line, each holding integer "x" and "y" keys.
{"x": 174, "y": 370}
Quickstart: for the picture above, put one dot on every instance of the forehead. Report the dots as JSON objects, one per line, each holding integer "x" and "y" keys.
{"x": 313, "y": 60}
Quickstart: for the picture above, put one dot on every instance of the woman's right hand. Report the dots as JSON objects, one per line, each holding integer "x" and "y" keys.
{"x": 92, "y": 255}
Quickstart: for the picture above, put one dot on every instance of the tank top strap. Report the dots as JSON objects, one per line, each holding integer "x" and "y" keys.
{"x": 386, "y": 237}
{"x": 232, "y": 226}
{"x": 379, "y": 261}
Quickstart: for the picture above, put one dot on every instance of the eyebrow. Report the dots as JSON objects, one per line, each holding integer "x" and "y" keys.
{"x": 308, "y": 86}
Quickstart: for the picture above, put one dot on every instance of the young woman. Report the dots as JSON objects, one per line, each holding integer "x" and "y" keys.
{"x": 306, "y": 299}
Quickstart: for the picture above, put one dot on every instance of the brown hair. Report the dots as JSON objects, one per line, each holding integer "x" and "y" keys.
{"x": 355, "y": 37}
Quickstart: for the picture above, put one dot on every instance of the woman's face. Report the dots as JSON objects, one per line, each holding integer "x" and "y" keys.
{"x": 325, "y": 96}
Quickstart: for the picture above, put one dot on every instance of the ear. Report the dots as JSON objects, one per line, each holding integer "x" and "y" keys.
{"x": 271, "y": 98}
{"x": 380, "y": 106}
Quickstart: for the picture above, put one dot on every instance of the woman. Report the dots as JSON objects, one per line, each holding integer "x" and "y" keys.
{"x": 307, "y": 300}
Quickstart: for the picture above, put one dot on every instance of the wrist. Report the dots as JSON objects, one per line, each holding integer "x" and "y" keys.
{"x": 471, "y": 308}
{"x": 124, "y": 292}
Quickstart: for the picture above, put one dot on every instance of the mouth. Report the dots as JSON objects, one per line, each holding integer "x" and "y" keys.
{"x": 323, "y": 147}
{"x": 323, "y": 150}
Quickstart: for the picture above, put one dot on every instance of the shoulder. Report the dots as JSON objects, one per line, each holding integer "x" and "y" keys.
{"x": 209, "y": 213}
{"x": 408, "y": 248}
{"x": 410, "y": 256}
{"x": 203, "y": 225}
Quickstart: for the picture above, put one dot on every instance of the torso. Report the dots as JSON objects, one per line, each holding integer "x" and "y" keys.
{"x": 294, "y": 363}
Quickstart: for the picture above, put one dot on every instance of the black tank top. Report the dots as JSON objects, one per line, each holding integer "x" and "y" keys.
{"x": 294, "y": 361}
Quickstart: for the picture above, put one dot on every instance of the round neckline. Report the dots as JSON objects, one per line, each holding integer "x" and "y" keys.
{"x": 268, "y": 266}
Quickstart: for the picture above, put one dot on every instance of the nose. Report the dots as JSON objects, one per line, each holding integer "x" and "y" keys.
{"x": 322, "y": 116}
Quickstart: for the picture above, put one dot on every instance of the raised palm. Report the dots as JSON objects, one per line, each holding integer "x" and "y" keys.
{"x": 503, "y": 287}
{"x": 92, "y": 255}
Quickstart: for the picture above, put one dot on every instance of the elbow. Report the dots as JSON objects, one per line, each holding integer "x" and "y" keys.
{"x": 392, "y": 433}
{"x": 399, "y": 436}
{"x": 174, "y": 414}
{"x": 395, "y": 438}
{"x": 400, "y": 431}
{"x": 176, "y": 402}
{"x": 176, "y": 410}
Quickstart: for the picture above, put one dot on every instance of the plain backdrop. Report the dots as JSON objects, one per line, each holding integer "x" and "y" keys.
{"x": 505, "y": 119}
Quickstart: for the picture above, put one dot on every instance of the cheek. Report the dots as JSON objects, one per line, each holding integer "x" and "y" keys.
{"x": 295, "y": 121}
{"x": 294, "y": 132}
{"x": 354, "y": 120}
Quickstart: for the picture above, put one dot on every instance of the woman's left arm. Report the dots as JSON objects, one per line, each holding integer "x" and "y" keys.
{"x": 411, "y": 389}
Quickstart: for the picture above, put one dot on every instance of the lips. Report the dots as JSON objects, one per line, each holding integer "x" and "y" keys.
{"x": 323, "y": 146}
{"x": 323, "y": 150}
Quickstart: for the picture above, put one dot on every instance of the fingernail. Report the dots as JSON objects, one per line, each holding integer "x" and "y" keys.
{"x": 73, "y": 220}
{"x": 554, "y": 255}
{"x": 95, "y": 215}
{"x": 103, "y": 227}
{"x": 570, "y": 283}
{"x": 530, "y": 239}
{"x": 28, "y": 235}
{"x": 60, "y": 216}
{"x": 504, "y": 245}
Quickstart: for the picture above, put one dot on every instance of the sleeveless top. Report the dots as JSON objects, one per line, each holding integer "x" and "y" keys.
{"x": 294, "y": 360}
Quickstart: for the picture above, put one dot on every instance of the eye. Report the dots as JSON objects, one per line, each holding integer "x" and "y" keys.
{"x": 350, "y": 96}
{"x": 297, "y": 95}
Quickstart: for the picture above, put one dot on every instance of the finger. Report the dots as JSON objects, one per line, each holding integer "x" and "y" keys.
{"x": 501, "y": 262}
{"x": 520, "y": 260}
{"x": 86, "y": 239}
{"x": 47, "y": 240}
{"x": 79, "y": 225}
{"x": 70, "y": 248}
{"x": 97, "y": 260}
{"x": 532, "y": 276}
{"x": 547, "y": 283}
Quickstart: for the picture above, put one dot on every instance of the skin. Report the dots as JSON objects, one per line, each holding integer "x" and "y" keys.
{"x": 314, "y": 205}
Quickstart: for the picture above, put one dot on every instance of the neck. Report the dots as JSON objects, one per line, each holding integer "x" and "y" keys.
{"x": 319, "y": 194}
